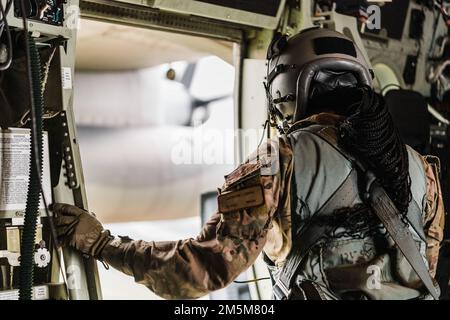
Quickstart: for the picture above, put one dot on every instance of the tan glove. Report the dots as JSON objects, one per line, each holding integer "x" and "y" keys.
{"x": 80, "y": 229}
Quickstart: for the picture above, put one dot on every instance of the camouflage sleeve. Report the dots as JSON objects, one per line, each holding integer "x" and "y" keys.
{"x": 434, "y": 213}
{"x": 228, "y": 244}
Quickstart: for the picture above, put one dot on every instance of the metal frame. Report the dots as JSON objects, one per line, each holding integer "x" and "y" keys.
{"x": 147, "y": 17}
{"x": 82, "y": 271}
{"x": 220, "y": 13}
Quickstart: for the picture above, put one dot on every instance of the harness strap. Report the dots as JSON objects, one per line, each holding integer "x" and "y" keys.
{"x": 344, "y": 196}
{"x": 389, "y": 215}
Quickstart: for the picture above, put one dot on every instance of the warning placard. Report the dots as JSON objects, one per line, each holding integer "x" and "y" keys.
{"x": 15, "y": 167}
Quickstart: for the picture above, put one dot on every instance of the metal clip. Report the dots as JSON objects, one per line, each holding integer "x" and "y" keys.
{"x": 280, "y": 291}
{"x": 370, "y": 179}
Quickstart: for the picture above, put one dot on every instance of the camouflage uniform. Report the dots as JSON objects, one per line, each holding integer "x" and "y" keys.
{"x": 254, "y": 215}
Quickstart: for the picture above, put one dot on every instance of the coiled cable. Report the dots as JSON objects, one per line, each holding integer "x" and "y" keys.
{"x": 26, "y": 272}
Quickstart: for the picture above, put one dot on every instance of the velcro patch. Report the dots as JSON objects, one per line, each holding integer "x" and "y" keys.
{"x": 263, "y": 162}
{"x": 241, "y": 199}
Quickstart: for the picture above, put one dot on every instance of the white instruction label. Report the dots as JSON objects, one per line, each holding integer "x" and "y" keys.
{"x": 39, "y": 293}
{"x": 15, "y": 168}
{"x": 9, "y": 295}
{"x": 66, "y": 77}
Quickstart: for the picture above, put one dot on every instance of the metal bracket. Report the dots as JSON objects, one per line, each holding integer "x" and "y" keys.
{"x": 146, "y": 17}
{"x": 12, "y": 257}
{"x": 61, "y": 150}
{"x": 67, "y": 154}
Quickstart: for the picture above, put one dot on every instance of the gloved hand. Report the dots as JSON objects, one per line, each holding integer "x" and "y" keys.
{"x": 80, "y": 229}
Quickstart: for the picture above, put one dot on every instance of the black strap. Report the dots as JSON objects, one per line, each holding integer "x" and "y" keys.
{"x": 389, "y": 215}
{"x": 306, "y": 290}
{"x": 286, "y": 98}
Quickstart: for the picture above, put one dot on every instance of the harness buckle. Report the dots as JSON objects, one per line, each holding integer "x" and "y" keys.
{"x": 280, "y": 291}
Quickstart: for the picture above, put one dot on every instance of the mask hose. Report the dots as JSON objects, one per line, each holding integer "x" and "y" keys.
{"x": 36, "y": 158}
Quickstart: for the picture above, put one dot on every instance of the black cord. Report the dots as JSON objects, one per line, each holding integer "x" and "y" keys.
{"x": 29, "y": 229}
{"x": 5, "y": 65}
{"x": 30, "y": 88}
{"x": 266, "y": 123}
{"x": 253, "y": 280}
